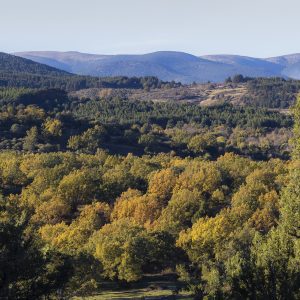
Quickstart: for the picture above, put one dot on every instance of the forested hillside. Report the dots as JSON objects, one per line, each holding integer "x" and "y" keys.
{"x": 100, "y": 193}
{"x": 21, "y": 72}
{"x": 14, "y": 64}
{"x": 272, "y": 93}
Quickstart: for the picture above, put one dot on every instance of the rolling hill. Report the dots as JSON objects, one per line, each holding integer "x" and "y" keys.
{"x": 248, "y": 66}
{"x": 289, "y": 63}
{"x": 11, "y": 64}
{"x": 282, "y": 66}
{"x": 169, "y": 65}
{"x": 21, "y": 72}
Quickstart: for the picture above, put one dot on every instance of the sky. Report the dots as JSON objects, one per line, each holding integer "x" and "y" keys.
{"x": 260, "y": 28}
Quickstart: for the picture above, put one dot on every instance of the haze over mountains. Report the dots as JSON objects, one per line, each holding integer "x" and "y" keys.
{"x": 168, "y": 65}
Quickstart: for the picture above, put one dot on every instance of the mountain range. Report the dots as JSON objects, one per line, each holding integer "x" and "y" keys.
{"x": 169, "y": 65}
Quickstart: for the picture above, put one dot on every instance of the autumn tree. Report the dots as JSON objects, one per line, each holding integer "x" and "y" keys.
{"x": 53, "y": 127}
{"x": 126, "y": 250}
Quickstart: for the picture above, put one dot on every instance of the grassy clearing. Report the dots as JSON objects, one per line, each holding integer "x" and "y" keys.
{"x": 137, "y": 294}
{"x": 150, "y": 287}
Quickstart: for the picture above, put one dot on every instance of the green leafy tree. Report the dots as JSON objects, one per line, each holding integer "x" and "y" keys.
{"x": 27, "y": 271}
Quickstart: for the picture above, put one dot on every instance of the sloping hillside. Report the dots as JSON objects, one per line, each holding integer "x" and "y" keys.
{"x": 14, "y": 64}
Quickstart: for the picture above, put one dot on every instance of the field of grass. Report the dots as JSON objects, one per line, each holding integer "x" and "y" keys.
{"x": 150, "y": 287}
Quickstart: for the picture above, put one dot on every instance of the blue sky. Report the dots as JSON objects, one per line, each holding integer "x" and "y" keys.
{"x": 260, "y": 28}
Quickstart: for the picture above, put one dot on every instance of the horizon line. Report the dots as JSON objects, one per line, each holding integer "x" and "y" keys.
{"x": 146, "y": 53}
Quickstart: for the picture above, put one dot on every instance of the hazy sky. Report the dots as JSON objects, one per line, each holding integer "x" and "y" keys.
{"x": 259, "y": 28}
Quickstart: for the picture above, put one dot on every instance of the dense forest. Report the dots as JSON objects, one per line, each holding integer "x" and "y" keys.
{"x": 110, "y": 190}
{"x": 101, "y": 193}
{"x": 51, "y": 120}
{"x": 272, "y": 93}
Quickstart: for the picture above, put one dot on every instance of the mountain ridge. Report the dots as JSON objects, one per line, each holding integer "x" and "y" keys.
{"x": 169, "y": 65}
